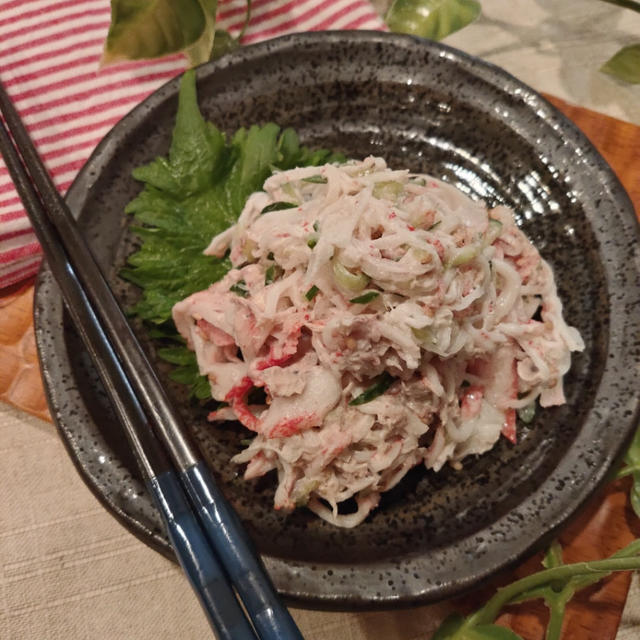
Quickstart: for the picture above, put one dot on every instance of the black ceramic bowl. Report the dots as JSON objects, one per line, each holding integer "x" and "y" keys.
{"x": 432, "y": 109}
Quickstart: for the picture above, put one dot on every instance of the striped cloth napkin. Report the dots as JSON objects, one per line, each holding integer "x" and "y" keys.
{"x": 49, "y": 56}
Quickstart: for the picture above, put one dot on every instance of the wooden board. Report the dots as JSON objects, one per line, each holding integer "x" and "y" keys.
{"x": 605, "y": 525}
{"x": 20, "y": 382}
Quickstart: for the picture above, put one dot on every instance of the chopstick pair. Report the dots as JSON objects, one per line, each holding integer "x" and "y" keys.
{"x": 208, "y": 539}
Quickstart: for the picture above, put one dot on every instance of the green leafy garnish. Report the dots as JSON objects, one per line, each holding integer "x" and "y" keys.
{"x": 186, "y": 371}
{"x": 192, "y": 194}
{"x": 317, "y": 179}
{"x": 177, "y": 355}
{"x": 279, "y": 206}
{"x": 311, "y": 294}
{"x": 382, "y": 383}
{"x": 434, "y": 19}
{"x": 365, "y": 297}
{"x": 624, "y": 65}
{"x": 195, "y": 193}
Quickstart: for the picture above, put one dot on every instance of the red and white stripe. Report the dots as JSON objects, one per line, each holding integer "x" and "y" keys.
{"x": 49, "y": 63}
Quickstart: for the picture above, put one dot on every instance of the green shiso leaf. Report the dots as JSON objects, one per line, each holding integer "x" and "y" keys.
{"x": 190, "y": 195}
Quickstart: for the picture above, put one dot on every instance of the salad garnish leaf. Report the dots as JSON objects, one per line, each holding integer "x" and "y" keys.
{"x": 434, "y": 19}
{"x": 192, "y": 194}
{"x": 186, "y": 370}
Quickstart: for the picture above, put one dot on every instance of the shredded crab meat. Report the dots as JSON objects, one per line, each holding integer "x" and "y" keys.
{"x": 389, "y": 320}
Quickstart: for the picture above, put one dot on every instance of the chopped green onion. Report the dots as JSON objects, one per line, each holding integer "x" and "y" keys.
{"x": 387, "y": 190}
{"x": 365, "y": 297}
{"x": 245, "y": 442}
{"x": 247, "y": 249}
{"x": 269, "y": 274}
{"x": 425, "y": 335}
{"x": 464, "y": 255}
{"x": 435, "y": 225}
{"x": 317, "y": 179}
{"x": 278, "y": 206}
{"x": 273, "y": 272}
{"x": 316, "y": 226}
{"x": 382, "y": 383}
{"x": 312, "y": 242}
{"x": 287, "y": 187}
{"x": 493, "y": 232}
{"x": 270, "y": 255}
{"x": 301, "y": 496}
{"x": 311, "y": 294}
{"x": 527, "y": 414}
{"x": 420, "y": 181}
{"x": 351, "y": 281}
{"x": 424, "y": 257}
{"x": 240, "y": 288}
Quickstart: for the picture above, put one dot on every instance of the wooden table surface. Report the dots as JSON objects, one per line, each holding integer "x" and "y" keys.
{"x": 606, "y": 524}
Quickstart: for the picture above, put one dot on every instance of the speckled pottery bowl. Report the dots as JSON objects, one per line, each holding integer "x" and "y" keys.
{"x": 432, "y": 109}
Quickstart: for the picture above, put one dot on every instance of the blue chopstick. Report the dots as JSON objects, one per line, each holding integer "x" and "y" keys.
{"x": 189, "y": 541}
{"x": 193, "y": 550}
{"x": 237, "y": 555}
{"x": 230, "y": 542}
